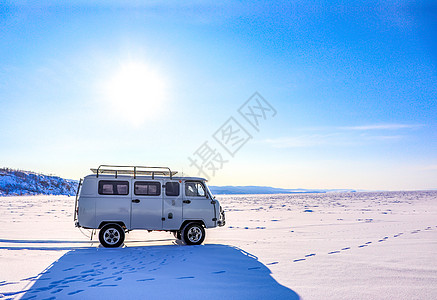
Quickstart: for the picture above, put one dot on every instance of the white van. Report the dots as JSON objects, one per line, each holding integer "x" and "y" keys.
{"x": 117, "y": 199}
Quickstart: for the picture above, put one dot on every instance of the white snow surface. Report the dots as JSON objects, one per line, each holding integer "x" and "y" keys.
{"x": 379, "y": 245}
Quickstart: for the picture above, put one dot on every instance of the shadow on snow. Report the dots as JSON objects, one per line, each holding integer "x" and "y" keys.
{"x": 216, "y": 271}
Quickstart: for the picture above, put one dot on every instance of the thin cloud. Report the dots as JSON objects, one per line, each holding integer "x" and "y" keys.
{"x": 386, "y": 137}
{"x": 337, "y": 139}
{"x": 429, "y": 168}
{"x": 383, "y": 127}
{"x": 348, "y": 136}
{"x": 311, "y": 140}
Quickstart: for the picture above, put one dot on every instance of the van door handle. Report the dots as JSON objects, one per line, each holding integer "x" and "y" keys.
{"x": 136, "y": 201}
{"x": 187, "y": 201}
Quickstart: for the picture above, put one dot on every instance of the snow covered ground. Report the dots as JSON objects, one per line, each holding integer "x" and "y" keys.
{"x": 312, "y": 246}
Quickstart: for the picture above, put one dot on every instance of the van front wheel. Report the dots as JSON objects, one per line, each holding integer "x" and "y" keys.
{"x": 111, "y": 236}
{"x": 193, "y": 234}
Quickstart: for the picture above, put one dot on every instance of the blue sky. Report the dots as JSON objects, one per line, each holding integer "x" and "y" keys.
{"x": 97, "y": 82}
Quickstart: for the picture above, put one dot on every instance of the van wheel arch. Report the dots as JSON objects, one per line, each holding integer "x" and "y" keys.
{"x": 191, "y": 221}
{"x": 112, "y": 222}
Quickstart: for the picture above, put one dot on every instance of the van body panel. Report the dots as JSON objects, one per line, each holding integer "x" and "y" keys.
{"x": 172, "y": 207}
{"x": 197, "y": 207}
{"x": 88, "y": 188}
{"x": 113, "y": 208}
{"x": 147, "y": 213}
{"x": 172, "y": 213}
{"x": 86, "y": 212}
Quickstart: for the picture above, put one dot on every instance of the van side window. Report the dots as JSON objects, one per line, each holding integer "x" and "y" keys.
{"x": 147, "y": 188}
{"x": 194, "y": 189}
{"x": 112, "y": 187}
{"x": 172, "y": 189}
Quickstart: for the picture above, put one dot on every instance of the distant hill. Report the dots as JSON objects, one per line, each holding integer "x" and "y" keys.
{"x": 18, "y": 182}
{"x": 218, "y": 190}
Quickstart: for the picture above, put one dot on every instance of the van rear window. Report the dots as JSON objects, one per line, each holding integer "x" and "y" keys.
{"x": 111, "y": 187}
{"x": 147, "y": 188}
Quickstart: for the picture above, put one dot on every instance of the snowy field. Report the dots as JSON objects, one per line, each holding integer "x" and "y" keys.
{"x": 312, "y": 246}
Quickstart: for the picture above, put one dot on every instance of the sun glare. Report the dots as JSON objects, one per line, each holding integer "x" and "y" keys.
{"x": 135, "y": 93}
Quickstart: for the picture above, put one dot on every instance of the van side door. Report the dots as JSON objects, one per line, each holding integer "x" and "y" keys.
{"x": 172, "y": 202}
{"x": 146, "y": 212}
{"x": 196, "y": 203}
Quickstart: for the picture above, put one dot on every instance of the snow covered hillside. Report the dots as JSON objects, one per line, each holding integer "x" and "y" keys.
{"x": 18, "y": 182}
{"x": 378, "y": 245}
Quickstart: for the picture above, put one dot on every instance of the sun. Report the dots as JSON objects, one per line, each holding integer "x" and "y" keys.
{"x": 135, "y": 92}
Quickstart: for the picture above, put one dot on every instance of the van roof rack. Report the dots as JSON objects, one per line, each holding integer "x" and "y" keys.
{"x": 133, "y": 170}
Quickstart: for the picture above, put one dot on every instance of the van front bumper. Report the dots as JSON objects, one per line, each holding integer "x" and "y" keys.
{"x": 222, "y": 221}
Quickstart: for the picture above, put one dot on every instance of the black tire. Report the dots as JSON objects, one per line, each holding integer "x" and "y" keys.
{"x": 193, "y": 234}
{"x": 111, "y": 235}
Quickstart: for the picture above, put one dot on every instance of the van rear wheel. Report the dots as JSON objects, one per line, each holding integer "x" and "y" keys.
{"x": 193, "y": 234}
{"x": 111, "y": 235}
